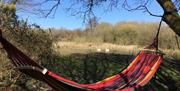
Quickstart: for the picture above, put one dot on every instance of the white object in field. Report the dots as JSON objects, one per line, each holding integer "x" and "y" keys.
{"x": 44, "y": 71}
{"x": 98, "y": 50}
{"x": 107, "y": 50}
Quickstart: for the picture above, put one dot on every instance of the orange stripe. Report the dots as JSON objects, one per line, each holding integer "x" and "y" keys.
{"x": 133, "y": 62}
{"x": 146, "y": 69}
{"x": 124, "y": 71}
{"x": 151, "y": 73}
{"x": 132, "y": 70}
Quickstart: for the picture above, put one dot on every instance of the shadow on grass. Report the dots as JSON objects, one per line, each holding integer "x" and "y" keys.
{"x": 93, "y": 67}
{"x": 87, "y": 68}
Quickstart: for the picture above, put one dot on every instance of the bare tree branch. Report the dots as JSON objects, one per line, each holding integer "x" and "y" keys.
{"x": 146, "y": 9}
{"x": 86, "y": 8}
{"x": 53, "y": 8}
{"x": 177, "y": 4}
{"x": 139, "y": 7}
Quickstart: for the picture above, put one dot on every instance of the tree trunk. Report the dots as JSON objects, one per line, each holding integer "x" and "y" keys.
{"x": 170, "y": 16}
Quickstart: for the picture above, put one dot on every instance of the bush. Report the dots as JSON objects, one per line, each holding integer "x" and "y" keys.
{"x": 123, "y": 33}
{"x": 34, "y": 42}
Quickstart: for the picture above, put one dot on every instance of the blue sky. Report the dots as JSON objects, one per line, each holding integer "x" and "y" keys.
{"x": 62, "y": 19}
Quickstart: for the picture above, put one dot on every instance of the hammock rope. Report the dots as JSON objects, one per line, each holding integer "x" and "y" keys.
{"x": 136, "y": 74}
{"x": 156, "y": 38}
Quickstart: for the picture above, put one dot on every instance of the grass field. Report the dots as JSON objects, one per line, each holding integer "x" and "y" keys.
{"x": 87, "y": 59}
{"x": 82, "y": 62}
{"x": 67, "y": 48}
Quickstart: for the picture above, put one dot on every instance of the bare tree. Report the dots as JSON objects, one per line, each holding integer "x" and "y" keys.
{"x": 92, "y": 23}
{"x": 85, "y": 8}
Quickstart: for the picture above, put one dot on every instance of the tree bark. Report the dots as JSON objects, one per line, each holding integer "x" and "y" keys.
{"x": 170, "y": 16}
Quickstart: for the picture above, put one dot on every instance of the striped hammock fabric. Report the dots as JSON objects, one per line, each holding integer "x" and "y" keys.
{"x": 136, "y": 74}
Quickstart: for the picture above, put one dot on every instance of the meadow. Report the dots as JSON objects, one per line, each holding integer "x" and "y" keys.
{"x": 74, "y": 54}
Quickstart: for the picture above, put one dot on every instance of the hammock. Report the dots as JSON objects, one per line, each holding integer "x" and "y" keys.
{"x": 136, "y": 74}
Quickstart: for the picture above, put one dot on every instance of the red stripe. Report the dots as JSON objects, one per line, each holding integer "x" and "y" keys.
{"x": 147, "y": 69}
{"x": 153, "y": 70}
{"x": 145, "y": 63}
{"x": 141, "y": 73}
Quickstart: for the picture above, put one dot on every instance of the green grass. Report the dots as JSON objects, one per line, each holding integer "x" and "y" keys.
{"x": 93, "y": 67}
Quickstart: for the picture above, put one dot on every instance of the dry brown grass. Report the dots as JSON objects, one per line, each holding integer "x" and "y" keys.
{"x": 67, "y": 48}
{"x": 74, "y": 47}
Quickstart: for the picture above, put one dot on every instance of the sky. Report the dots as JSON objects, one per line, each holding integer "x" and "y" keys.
{"x": 63, "y": 19}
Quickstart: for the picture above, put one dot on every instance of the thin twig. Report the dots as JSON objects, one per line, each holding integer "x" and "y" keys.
{"x": 126, "y": 6}
{"x": 19, "y": 75}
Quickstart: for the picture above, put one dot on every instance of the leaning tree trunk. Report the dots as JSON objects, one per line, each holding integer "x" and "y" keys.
{"x": 170, "y": 16}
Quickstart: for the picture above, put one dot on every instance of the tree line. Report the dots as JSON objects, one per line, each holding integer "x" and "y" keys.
{"x": 122, "y": 33}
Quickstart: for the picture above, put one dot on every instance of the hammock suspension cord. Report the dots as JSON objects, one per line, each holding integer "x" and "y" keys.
{"x": 156, "y": 38}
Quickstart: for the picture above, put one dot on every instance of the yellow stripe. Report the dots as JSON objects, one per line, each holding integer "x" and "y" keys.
{"x": 150, "y": 74}
{"x": 130, "y": 65}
